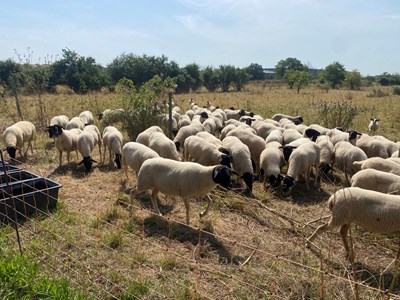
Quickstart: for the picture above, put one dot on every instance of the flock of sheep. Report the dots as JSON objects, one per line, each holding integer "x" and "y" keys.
{"x": 211, "y": 144}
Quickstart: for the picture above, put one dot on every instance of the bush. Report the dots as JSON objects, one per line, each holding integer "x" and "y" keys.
{"x": 337, "y": 114}
{"x": 396, "y": 90}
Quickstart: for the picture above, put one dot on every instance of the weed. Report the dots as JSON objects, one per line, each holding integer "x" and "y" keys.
{"x": 114, "y": 240}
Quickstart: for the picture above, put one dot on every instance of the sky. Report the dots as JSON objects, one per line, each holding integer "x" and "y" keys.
{"x": 363, "y": 35}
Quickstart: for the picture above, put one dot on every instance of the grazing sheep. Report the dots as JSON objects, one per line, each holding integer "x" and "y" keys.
{"x": 226, "y": 130}
{"x": 264, "y": 129}
{"x": 378, "y": 163}
{"x": 326, "y": 156}
{"x": 87, "y": 117}
{"x": 372, "y": 147}
{"x": 274, "y": 136}
{"x": 174, "y": 124}
{"x": 375, "y": 180}
{"x": 322, "y": 130}
{"x": 290, "y": 135}
{"x": 144, "y": 137}
{"x": 134, "y": 154}
{"x": 300, "y": 163}
{"x": 374, "y": 211}
{"x": 184, "y": 121}
{"x": 235, "y": 114}
{"x": 390, "y": 146}
{"x": 66, "y": 140}
{"x": 16, "y": 135}
{"x": 210, "y": 138}
{"x": 297, "y": 120}
{"x": 75, "y": 122}
{"x": 182, "y": 179}
{"x": 210, "y": 125}
{"x": 199, "y": 150}
{"x": 271, "y": 162}
{"x": 165, "y": 147}
{"x": 337, "y": 135}
{"x": 112, "y": 139}
{"x": 344, "y": 156}
{"x": 61, "y": 120}
{"x": 373, "y": 125}
{"x": 87, "y": 140}
{"x": 241, "y": 160}
{"x": 111, "y": 116}
{"x": 255, "y": 143}
{"x": 185, "y": 132}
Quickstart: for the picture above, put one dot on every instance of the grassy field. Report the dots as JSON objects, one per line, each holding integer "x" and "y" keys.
{"x": 111, "y": 247}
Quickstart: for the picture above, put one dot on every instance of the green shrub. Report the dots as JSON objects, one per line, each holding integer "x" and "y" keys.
{"x": 396, "y": 90}
{"x": 337, "y": 114}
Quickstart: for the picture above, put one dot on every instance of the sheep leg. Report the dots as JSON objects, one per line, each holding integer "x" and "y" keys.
{"x": 109, "y": 156}
{"x": 60, "y": 157}
{"x": 187, "y": 211}
{"x": 343, "y": 233}
{"x": 209, "y": 201}
{"x": 154, "y": 201}
{"x": 126, "y": 171}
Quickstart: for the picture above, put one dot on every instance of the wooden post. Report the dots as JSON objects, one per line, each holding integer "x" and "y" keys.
{"x": 170, "y": 135}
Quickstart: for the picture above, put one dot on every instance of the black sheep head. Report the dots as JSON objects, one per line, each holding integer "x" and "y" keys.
{"x": 87, "y": 162}
{"x": 248, "y": 179}
{"x": 287, "y": 151}
{"x": 11, "y": 151}
{"x": 288, "y": 182}
{"x": 222, "y": 176}
{"x": 275, "y": 181}
{"x": 177, "y": 146}
{"x": 117, "y": 160}
{"x": 225, "y": 160}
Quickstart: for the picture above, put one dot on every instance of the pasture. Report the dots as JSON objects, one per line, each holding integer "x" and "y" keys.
{"x": 111, "y": 247}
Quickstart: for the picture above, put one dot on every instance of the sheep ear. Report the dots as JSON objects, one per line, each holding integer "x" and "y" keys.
{"x": 372, "y": 119}
{"x": 92, "y": 160}
{"x": 233, "y": 172}
{"x": 81, "y": 162}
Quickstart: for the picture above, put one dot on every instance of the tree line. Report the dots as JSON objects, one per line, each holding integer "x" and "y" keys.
{"x": 82, "y": 74}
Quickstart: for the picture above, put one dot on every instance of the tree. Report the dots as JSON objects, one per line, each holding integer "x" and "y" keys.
{"x": 353, "y": 80}
{"x": 226, "y": 75}
{"x": 12, "y": 80}
{"x": 188, "y": 78}
{"x": 81, "y": 74}
{"x": 240, "y": 78}
{"x": 334, "y": 74}
{"x": 210, "y": 79}
{"x": 299, "y": 79}
{"x": 287, "y": 64}
{"x": 255, "y": 72}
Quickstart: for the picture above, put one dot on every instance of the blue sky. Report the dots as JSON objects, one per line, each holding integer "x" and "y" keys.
{"x": 362, "y": 35}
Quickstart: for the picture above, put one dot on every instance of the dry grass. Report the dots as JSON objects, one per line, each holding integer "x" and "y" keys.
{"x": 110, "y": 246}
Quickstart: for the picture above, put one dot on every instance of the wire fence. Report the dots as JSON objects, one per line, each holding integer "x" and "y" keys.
{"x": 65, "y": 248}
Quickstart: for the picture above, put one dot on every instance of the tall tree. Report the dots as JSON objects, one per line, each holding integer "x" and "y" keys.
{"x": 334, "y": 74}
{"x": 226, "y": 75}
{"x": 353, "y": 80}
{"x": 12, "y": 79}
{"x": 255, "y": 71}
{"x": 210, "y": 78}
{"x": 240, "y": 78}
{"x": 287, "y": 64}
{"x": 299, "y": 79}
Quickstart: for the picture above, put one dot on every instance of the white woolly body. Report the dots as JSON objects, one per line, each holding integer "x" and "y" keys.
{"x": 201, "y": 151}
{"x": 241, "y": 159}
{"x": 88, "y": 139}
{"x": 372, "y": 147}
{"x": 75, "y": 122}
{"x": 18, "y": 134}
{"x": 271, "y": 160}
{"x": 112, "y": 139}
{"x": 290, "y": 135}
{"x": 165, "y": 147}
{"x": 60, "y": 120}
{"x": 327, "y": 148}
{"x": 345, "y": 154}
{"x": 375, "y": 180}
{"x": 87, "y": 117}
{"x": 380, "y": 164}
{"x": 144, "y": 136}
{"x": 187, "y": 131}
{"x": 67, "y": 141}
{"x": 302, "y": 159}
{"x": 210, "y": 138}
{"x": 170, "y": 177}
{"x": 274, "y": 135}
{"x": 134, "y": 154}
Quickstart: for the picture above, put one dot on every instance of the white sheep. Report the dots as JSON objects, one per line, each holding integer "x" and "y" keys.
{"x": 391, "y": 147}
{"x": 185, "y": 132}
{"x": 322, "y": 130}
{"x": 241, "y": 160}
{"x": 290, "y": 135}
{"x": 134, "y": 154}
{"x": 166, "y": 122}
{"x": 87, "y": 117}
{"x": 210, "y": 125}
{"x": 372, "y": 147}
{"x": 112, "y": 139}
{"x": 271, "y": 162}
{"x": 296, "y": 119}
{"x": 210, "y": 138}
{"x": 226, "y": 130}
{"x": 374, "y": 211}
{"x": 183, "y": 179}
{"x": 235, "y": 114}
{"x": 264, "y": 129}
{"x": 344, "y": 156}
{"x": 75, "y": 122}
{"x": 326, "y": 154}
{"x": 165, "y": 147}
{"x": 378, "y": 163}
{"x": 373, "y": 125}
{"x": 61, "y": 120}
{"x": 87, "y": 140}
{"x": 65, "y": 140}
{"x": 337, "y": 135}
{"x": 301, "y": 162}
{"x": 15, "y": 137}
{"x": 184, "y": 121}
{"x": 275, "y": 135}
{"x": 144, "y": 136}
{"x": 375, "y": 180}
{"x": 201, "y": 151}
{"x": 111, "y": 116}
{"x": 255, "y": 143}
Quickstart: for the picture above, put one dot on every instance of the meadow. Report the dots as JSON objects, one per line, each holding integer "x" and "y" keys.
{"x": 108, "y": 246}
